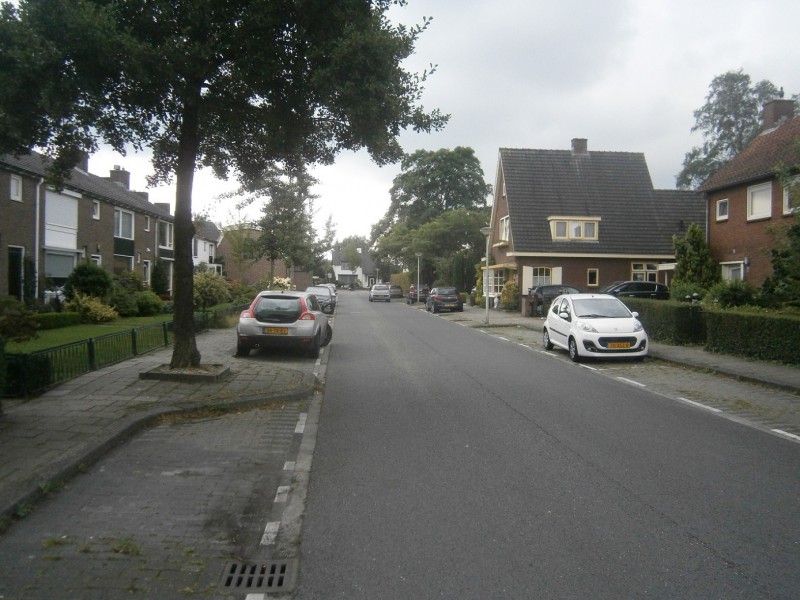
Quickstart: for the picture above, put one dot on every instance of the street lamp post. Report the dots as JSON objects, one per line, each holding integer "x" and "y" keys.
{"x": 419, "y": 254}
{"x": 487, "y": 231}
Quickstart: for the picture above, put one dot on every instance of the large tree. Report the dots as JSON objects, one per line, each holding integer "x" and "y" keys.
{"x": 729, "y": 120}
{"x": 238, "y": 86}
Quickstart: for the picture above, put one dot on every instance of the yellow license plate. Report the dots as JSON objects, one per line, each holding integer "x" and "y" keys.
{"x": 276, "y": 330}
{"x": 619, "y": 345}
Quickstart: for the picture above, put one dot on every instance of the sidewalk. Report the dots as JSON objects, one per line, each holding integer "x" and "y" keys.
{"x": 49, "y": 438}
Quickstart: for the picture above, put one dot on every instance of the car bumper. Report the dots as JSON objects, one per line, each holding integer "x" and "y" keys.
{"x": 258, "y": 336}
{"x": 631, "y": 345}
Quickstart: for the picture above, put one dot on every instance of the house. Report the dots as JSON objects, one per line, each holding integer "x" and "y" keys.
{"x": 361, "y": 274}
{"x": 582, "y": 218}
{"x": 746, "y": 201}
{"x": 238, "y": 251}
{"x": 44, "y": 232}
{"x": 205, "y": 243}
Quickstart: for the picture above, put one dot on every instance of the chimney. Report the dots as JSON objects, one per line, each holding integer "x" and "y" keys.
{"x": 776, "y": 111}
{"x": 165, "y": 205}
{"x": 580, "y": 146}
{"x": 121, "y": 177}
{"x": 83, "y": 161}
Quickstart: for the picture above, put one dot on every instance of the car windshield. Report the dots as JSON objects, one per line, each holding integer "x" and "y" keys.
{"x": 600, "y": 308}
{"x": 325, "y": 291}
{"x": 447, "y": 291}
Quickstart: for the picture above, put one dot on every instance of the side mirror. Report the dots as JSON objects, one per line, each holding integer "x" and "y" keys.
{"x": 564, "y": 315}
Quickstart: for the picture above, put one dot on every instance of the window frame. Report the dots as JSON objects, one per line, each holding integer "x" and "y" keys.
{"x": 170, "y": 235}
{"x": 720, "y": 203}
{"x": 15, "y": 188}
{"x": 118, "y": 233}
{"x": 505, "y": 229}
{"x": 96, "y": 210}
{"x": 752, "y": 191}
{"x": 793, "y": 187}
{"x": 573, "y": 229}
{"x": 593, "y": 271}
{"x": 648, "y": 270}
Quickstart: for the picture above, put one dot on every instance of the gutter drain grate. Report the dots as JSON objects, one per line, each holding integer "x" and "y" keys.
{"x": 277, "y": 575}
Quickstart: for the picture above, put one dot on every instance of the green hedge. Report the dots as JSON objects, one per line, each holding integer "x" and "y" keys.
{"x": 759, "y": 336}
{"x": 670, "y": 322}
{"x": 56, "y": 320}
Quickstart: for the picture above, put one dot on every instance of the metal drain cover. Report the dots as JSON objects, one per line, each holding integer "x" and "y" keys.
{"x": 278, "y": 575}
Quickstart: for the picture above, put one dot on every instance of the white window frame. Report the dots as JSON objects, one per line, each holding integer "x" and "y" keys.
{"x": 170, "y": 239}
{"x": 195, "y": 245}
{"x": 644, "y": 271}
{"x": 756, "y": 211}
{"x": 792, "y": 188}
{"x": 146, "y": 271}
{"x": 733, "y": 271}
{"x": 592, "y": 271}
{"x": 15, "y": 188}
{"x": 505, "y": 228}
{"x": 96, "y": 259}
{"x": 540, "y": 276}
{"x": 146, "y": 223}
{"x": 722, "y": 213}
{"x": 118, "y": 224}
{"x": 96, "y": 210}
{"x": 574, "y": 228}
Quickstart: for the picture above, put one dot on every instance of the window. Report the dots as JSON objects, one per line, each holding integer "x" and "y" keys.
{"x": 496, "y": 280}
{"x": 644, "y": 272}
{"x": 592, "y": 277}
{"x": 15, "y": 188}
{"x": 722, "y": 210}
{"x": 541, "y": 276}
{"x": 164, "y": 234}
{"x": 96, "y": 259}
{"x": 194, "y": 247}
{"x": 759, "y": 201}
{"x": 574, "y": 229}
{"x": 732, "y": 271}
{"x": 96, "y": 210}
{"x": 146, "y": 272}
{"x": 346, "y": 266}
{"x": 505, "y": 229}
{"x": 791, "y": 197}
{"x": 146, "y": 223}
{"x": 123, "y": 224}
{"x": 57, "y": 267}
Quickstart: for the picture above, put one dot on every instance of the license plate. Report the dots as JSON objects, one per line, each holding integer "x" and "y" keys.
{"x": 449, "y": 305}
{"x": 276, "y": 330}
{"x": 619, "y": 345}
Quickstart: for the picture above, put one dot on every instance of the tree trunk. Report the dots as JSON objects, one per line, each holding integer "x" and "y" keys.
{"x": 185, "y": 352}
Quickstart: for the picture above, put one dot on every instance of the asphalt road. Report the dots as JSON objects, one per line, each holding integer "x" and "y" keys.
{"x": 453, "y": 464}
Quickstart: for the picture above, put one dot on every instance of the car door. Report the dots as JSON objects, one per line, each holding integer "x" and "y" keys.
{"x": 557, "y": 325}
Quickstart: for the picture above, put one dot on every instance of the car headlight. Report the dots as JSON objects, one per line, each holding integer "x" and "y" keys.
{"x": 637, "y": 326}
{"x": 586, "y": 326}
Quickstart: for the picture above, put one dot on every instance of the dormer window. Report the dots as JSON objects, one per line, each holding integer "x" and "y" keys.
{"x": 505, "y": 229}
{"x": 571, "y": 229}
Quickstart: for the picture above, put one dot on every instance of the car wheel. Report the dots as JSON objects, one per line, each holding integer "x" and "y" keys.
{"x": 388, "y": 299}
{"x": 435, "y": 308}
{"x": 548, "y": 345}
{"x": 242, "y": 348}
{"x": 313, "y": 350}
{"x": 573, "y": 350}
{"x": 370, "y": 298}
{"x": 461, "y": 308}
{"x": 328, "y": 335}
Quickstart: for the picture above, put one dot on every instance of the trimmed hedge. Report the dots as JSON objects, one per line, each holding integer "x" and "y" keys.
{"x": 670, "y": 322}
{"x": 56, "y": 320}
{"x": 763, "y": 337}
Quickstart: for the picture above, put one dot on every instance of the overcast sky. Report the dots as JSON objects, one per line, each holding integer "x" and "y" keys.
{"x": 626, "y": 75}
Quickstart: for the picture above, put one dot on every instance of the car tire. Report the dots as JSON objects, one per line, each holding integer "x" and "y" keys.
{"x": 435, "y": 308}
{"x": 388, "y": 299}
{"x": 573, "y": 350}
{"x": 328, "y": 335}
{"x": 242, "y": 348}
{"x": 548, "y": 345}
{"x": 313, "y": 350}
{"x": 370, "y": 298}
{"x": 461, "y": 308}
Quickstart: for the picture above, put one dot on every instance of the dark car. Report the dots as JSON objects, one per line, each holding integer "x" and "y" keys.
{"x": 637, "y": 289}
{"x": 444, "y": 298}
{"x": 396, "y": 291}
{"x": 325, "y": 296}
{"x": 412, "y": 294}
{"x": 542, "y": 296}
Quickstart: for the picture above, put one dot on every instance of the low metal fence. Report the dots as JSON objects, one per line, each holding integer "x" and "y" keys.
{"x": 36, "y": 372}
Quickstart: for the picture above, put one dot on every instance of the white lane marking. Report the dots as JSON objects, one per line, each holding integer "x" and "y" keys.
{"x": 631, "y": 381}
{"x": 255, "y": 597}
{"x": 301, "y": 423}
{"x": 270, "y": 533}
{"x": 787, "y": 434}
{"x": 588, "y": 367}
{"x": 692, "y": 402}
{"x": 502, "y": 338}
{"x": 288, "y": 465}
{"x": 282, "y": 495}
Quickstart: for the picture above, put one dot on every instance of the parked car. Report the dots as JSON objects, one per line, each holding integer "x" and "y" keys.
{"x": 395, "y": 291}
{"x": 542, "y": 295}
{"x": 283, "y": 319}
{"x": 412, "y": 294}
{"x": 637, "y": 289}
{"x": 598, "y": 325}
{"x": 444, "y": 298}
{"x": 380, "y": 291}
{"x": 325, "y": 296}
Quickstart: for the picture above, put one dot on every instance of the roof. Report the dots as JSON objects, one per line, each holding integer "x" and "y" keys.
{"x": 367, "y": 264}
{"x": 92, "y": 185}
{"x": 208, "y": 231}
{"x": 770, "y": 150}
{"x": 615, "y": 186}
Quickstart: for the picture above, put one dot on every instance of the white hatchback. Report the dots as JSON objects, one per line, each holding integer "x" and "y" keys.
{"x": 597, "y": 325}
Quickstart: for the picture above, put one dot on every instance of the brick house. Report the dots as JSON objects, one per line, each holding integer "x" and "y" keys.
{"x": 582, "y": 218}
{"x": 345, "y": 273}
{"x": 44, "y": 232}
{"x": 747, "y": 203}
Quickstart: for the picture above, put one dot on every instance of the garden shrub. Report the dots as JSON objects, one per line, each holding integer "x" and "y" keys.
{"x": 91, "y": 309}
{"x": 509, "y": 296}
{"x": 88, "y": 279}
{"x": 149, "y": 304}
{"x": 124, "y": 301}
{"x": 209, "y": 290}
{"x": 57, "y": 320}
{"x": 727, "y": 294}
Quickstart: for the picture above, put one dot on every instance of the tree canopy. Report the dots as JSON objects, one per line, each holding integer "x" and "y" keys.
{"x": 729, "y": 120}
{"x": 236, "y": 86}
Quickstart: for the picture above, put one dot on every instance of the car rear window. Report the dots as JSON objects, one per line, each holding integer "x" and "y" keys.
{"x": 278, "y": 309}
{"x": 325, "y": 291}
{"x": 380, "y": 287}
{"x": 447, "y": 291}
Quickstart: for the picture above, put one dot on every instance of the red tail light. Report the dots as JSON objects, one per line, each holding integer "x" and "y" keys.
{"x": 307, "y": 316}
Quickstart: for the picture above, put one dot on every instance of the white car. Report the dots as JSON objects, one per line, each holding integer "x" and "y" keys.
{"x": 597, "y": 325}
{"x": 380, "y": 291}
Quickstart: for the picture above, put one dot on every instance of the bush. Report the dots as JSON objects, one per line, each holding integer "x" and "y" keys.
{"x": 727, "y": 294}
{"x": 681, "y": 291}
{"x": 209, "y": 290}
{"x": 149, "y": 304}
{"x": 56, "y": 320}
{"x": 91, "y": 309}
{"x": 88, "y": 279}
{"x": 509, "y": 297}
{"x": 124, "y": 301}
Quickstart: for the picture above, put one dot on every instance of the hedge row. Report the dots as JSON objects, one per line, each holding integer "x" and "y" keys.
{"x": 56, "y": 320}
{"x": 766, "y": 336}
